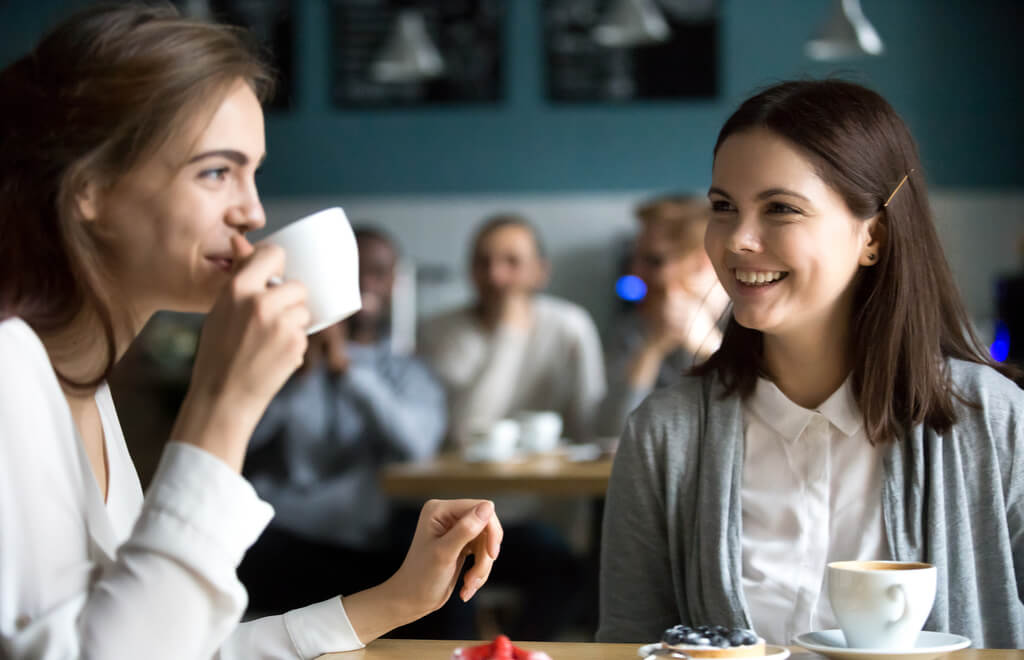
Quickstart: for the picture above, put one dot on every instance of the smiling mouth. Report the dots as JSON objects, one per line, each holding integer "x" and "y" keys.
{"x": 759, "y": 278}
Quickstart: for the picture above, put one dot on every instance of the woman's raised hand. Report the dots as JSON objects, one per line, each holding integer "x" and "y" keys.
{"x": 448, "y": 532}
{"x": 253, "y": 339}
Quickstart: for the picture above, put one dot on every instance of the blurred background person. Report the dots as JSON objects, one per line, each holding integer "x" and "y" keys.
{"x": 515, "y": 349}
{"x": 352, "y": 408}
{"x": 675, "y": 325}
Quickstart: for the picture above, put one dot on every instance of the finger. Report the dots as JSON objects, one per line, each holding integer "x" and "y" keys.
{"x": 265, "y": 262}
{"x": 476, "y": 576}
{"x": 242, "y": 250}
{"x": 494, "y": 536}
{"x": 467, "y": 528}
{"x": 274, "y": 300}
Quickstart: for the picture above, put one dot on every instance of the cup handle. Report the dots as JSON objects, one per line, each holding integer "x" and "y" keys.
{"x": 896, "y": 595}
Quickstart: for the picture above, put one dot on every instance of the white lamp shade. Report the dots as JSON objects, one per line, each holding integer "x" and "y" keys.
{"x": 846, "y": 34}
{"x": 629, "y": 23}
{"x": 408, "y": 54}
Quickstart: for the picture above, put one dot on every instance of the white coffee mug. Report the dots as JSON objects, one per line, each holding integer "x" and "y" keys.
{"x": 881, "y": 604}
{"x": 321, "y": 252}
{"x": 539, "y": 431}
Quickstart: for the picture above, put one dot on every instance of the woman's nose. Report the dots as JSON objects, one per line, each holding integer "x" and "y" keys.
{"x": 745, "y": 236}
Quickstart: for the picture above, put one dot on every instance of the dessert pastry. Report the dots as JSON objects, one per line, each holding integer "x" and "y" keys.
{"x": 713, "y": 642}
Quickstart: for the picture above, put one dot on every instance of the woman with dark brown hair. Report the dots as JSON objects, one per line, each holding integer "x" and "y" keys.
{"x": 130, "y": 139}
{"x": 850, "y": 412}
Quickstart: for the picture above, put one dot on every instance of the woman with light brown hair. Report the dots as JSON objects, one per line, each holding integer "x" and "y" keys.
{"x": 130, "y": 139}
{"x": 675, "y": 324}
{"x": 850, "y": 412}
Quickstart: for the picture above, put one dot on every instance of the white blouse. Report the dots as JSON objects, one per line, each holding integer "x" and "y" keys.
{"x": 812, "y": 494}
{"x": 132, "y": 577}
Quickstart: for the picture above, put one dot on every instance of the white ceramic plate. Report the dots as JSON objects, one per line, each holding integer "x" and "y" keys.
{"x": 770, "y": 652}
{"x": 832, "y": 644}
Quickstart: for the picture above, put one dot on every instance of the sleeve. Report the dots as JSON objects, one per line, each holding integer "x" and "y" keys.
{"x": 305, "y": 633}
{"x": 622, "y": 398}
{"x": 589, "y": 384}
{"x": 408, "y": 412}
{"x": 171, "y": 591}
{"x": 1015, "y": 489}
{"x": 637, "y": 601}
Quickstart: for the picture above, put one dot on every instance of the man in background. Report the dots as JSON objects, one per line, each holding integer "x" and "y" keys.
{"x": 350, "y": 410}
{"x": 515, "y": 349}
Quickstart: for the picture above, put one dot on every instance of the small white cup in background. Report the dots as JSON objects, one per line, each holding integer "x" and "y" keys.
{"x": 321, "y": 253}
{"x": 540, "y": 430}
{"x": 496, "y": 443}
{"x": 881, "y": 604}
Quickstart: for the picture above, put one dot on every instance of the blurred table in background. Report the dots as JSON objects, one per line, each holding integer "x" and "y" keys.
{"x": 546, "y": 474}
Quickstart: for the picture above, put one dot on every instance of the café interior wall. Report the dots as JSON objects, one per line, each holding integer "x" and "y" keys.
{"x": 951, "y": 68}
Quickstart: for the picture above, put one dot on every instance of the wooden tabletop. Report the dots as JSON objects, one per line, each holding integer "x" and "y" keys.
{"x": 413, "y": 649}
{"x": 451, "y": 476}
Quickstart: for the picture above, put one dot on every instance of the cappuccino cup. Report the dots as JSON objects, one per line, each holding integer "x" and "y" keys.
{"x": 321, "y": 252}
{"x": 881, "y": 604}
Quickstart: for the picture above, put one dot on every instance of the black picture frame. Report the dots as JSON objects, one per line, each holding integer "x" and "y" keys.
{"x": 469, "y": 34}
{"x": 580, "y": 70}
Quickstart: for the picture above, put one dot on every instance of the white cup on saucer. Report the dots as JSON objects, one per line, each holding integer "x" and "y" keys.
{"x": 494, "y": 443}
{"x": 321, "y": 252}
{"x": 539, "y": 430}
{"x": 881, "y": 604}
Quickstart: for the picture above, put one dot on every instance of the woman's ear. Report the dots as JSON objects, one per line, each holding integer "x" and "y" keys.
{"x": 875, "y": 239}
{"x": 87, "y": 200}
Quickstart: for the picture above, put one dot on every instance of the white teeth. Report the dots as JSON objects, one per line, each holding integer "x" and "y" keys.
{"x": 758, "y": 277}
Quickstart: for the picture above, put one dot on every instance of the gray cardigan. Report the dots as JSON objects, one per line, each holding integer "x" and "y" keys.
{"x": 671, "y": 549}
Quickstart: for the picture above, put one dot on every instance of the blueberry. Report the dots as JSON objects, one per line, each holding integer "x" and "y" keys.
{"x": 673, "y": 636}
{"x": 719, "y": 641}
{"x": 749, "y": 638}
{"x": 721, "y": 630}
{"x": 693, "y": 637}
{"x": 701, "y": 641}
{"x": 737, "y": 638}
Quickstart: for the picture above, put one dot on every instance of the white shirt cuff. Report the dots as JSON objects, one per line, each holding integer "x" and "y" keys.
{"x": 321, "y": 628}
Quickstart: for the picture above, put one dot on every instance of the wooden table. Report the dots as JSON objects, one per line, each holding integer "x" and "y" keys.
{"x": 413, "y": 649}
{"x": 450, "y": 476}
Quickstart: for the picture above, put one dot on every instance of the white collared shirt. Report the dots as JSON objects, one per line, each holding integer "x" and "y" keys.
{"x": 129, "y": 577}
{"x": 812, "y": 487}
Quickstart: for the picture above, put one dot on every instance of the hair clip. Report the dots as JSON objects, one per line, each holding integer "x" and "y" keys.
{"x": 902, "y": 181}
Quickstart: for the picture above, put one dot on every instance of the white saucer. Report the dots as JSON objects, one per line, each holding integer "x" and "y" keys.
{"x": 770, "y": 652}
{"x": 832, "y": 644}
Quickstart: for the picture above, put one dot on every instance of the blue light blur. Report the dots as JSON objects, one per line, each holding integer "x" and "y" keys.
{"x": 1000, "y": 348}
{"x": 631, "y": 288}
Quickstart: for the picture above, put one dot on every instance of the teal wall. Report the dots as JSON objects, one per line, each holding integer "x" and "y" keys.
{"x": 952, "y": 68}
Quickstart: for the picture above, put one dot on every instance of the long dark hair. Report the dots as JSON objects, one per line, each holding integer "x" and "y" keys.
{"x": 101, "y": 92}
{"x": 907, "y": 312}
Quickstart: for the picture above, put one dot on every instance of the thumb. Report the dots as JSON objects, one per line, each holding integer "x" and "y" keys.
{"x": 467, "y": 528}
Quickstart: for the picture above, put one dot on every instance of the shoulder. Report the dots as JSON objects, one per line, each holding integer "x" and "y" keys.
{"x": 997, "y": 395}
{"x": 563, "y": 314}
{"x": 669, "y": 411}
{"x": 460, "y": 318}
{"x": 22, "y": 354}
